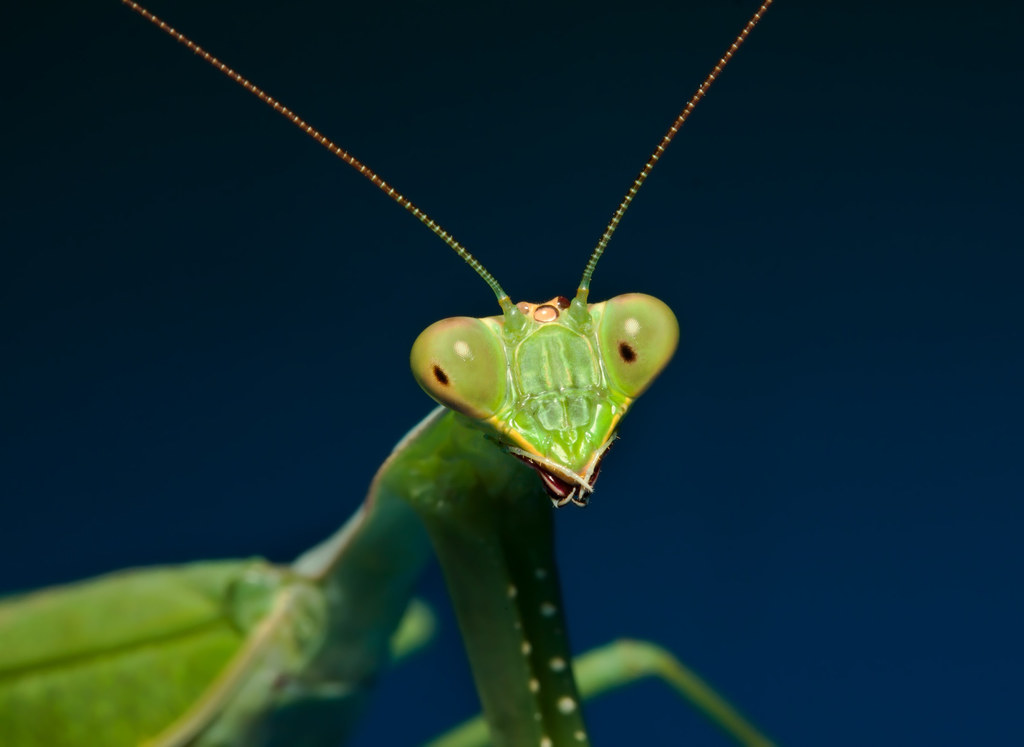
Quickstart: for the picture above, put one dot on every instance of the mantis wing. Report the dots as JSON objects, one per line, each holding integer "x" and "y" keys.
{"x": 116, "y": 659}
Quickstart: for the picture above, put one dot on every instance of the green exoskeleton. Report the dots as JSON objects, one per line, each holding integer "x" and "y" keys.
{"x": 245, "y": 652}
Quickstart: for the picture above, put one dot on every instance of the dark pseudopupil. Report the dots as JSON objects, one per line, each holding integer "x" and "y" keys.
{"x": 441, "y": 376}
{"x": 626, "y": 352}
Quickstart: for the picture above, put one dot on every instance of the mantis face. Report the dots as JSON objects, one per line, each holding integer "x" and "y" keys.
{"x": 551, "y": 381}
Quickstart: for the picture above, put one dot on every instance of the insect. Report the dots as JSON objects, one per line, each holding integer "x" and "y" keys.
{"x": 566, "y": 469}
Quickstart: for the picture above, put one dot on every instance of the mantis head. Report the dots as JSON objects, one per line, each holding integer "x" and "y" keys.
{"x": 551, "y": 381}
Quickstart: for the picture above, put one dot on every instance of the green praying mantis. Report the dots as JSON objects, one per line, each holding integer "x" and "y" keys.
{"x": 243, "y": 652}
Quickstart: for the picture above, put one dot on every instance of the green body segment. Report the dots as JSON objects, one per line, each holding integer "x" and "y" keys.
{"x": 491, "y": 526}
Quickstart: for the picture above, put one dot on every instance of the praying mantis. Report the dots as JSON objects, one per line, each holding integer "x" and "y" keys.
{"x": 569, "y": 479}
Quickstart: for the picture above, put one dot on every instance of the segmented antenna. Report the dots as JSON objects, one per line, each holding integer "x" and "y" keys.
{"x": 588, "y": 271}
{"x": 330, "y": 145}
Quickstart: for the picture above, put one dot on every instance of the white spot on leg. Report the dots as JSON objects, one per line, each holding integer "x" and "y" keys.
{"x": 545, "y": 742}
{"x": 580, "y": 735}
{"x": 512, "y": 591}
{"x": 557, "y": 664}
{"x": 527, "y": 648}
{"x": 547, "y": 609}
{"x": 534, "y": 685}
{"x": 566, "y": 705}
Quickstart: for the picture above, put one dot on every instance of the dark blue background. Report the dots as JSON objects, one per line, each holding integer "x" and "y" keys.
{"x": 205, "y": 322}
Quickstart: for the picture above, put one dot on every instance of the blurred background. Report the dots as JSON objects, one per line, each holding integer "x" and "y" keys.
{"x": 206, "y": 319}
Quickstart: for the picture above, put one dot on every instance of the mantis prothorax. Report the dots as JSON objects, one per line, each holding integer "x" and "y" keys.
{"x": 245, "y": 652}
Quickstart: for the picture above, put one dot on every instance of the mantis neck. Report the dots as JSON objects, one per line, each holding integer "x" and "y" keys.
{"x": 490, "y": 523}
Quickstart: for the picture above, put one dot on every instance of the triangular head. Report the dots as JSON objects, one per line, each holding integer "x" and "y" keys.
{"x": 551, "y": 381}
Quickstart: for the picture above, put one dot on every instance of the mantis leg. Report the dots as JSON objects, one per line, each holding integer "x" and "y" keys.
{"x": 620, "y": 663}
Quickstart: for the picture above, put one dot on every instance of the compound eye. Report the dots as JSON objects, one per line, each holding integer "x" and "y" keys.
{"x": 638, "y": 335}
{"x": 461, "y": 363}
